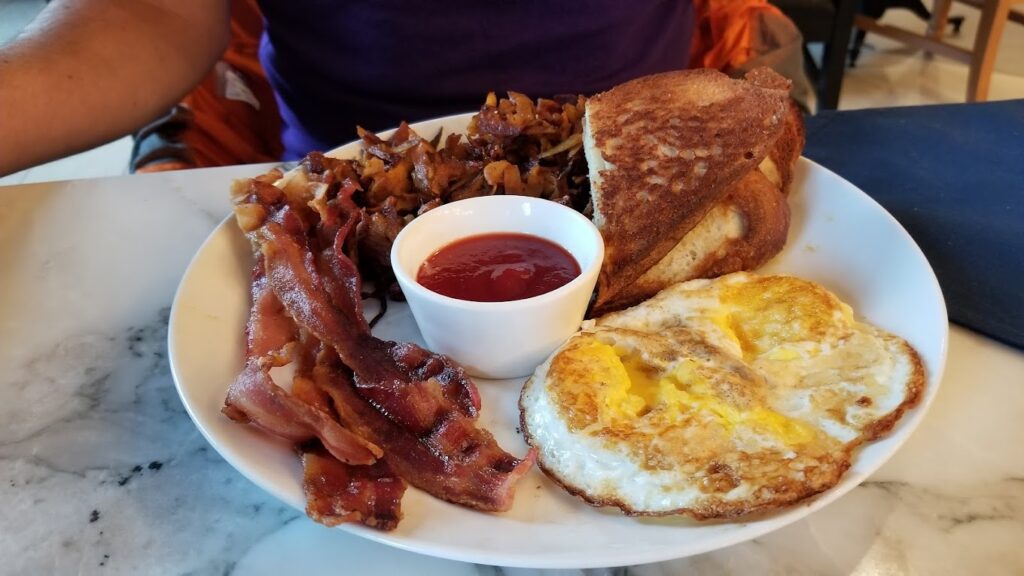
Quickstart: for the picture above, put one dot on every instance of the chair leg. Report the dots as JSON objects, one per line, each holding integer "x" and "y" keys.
{"x": 810, "y": 66}
{"x": 940, "y": 16}
{"x": 919, "y": 9}
{"x": 858, "y": 44}
{"x": 937, "y": 23}
{"x": 833, "y": 62}
{"x": 990, "y": 30}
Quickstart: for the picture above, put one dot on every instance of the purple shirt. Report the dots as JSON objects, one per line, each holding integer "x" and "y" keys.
{"x": 335, "y": 63}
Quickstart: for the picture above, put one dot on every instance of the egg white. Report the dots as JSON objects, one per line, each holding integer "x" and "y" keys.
{"x": 793, "y": 384}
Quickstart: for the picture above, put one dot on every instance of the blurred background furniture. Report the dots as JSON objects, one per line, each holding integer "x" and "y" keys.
{"x": 994, "y": 14}
{"x": 877, "y": 8}
{"x": 829, "y": 22}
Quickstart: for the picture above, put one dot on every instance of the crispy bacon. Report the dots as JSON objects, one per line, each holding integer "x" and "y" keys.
{"x": 338, "y": 219}
{"x": 422, "y": 404}
{"x": 425, "y": 405}
{"x": 456, "y": 461}
{"x": 316, "y": 231}
{"x": 269, "y": 327}
{"x": 412, "y": 386}
{"x": 254, "y": 397}
{"x": 337, "y": 493}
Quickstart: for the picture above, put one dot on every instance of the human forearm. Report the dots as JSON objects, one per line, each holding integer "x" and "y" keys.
{"x": 89, "y": 71}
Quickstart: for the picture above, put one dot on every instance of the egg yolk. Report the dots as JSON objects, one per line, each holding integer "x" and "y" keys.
{"x": 766, "y": 312}
{"x": 621, "y": 387}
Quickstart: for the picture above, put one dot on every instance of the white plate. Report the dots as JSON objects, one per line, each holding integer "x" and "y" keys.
{"x": 838, "y": 237}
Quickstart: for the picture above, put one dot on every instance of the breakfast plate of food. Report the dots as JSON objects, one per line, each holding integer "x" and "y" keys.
{"x": 761, "y": 335}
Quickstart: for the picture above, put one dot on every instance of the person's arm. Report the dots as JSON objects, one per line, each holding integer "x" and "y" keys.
{"x": 89, "y": 71}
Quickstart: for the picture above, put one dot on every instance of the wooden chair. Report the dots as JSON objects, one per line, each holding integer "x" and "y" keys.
{"x": 877, "y": 8}
{"x": 994, "y": 14}
{"x": 829, "y": 22}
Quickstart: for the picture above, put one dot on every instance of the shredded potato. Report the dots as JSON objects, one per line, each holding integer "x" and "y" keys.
{"x": 513, "y": 145}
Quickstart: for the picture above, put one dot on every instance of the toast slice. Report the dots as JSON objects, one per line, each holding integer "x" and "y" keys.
{"x": 662, "y": 150}
{"x": 742, "y": 231}
{"x": 781, "y": 160}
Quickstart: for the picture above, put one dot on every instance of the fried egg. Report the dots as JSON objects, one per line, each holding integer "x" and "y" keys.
{"x": 717, "y": 398}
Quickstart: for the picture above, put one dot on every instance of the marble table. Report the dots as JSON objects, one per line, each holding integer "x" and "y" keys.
{"x": 102, "y": 472}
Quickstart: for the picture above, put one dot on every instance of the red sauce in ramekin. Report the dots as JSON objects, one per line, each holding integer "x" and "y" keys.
{"x": 498, "y": 267}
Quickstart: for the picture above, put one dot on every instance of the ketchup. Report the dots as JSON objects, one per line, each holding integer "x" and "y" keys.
{"x": 498, "y": 267}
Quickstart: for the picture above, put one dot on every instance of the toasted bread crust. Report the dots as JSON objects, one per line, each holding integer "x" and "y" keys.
{"x": 670, "y": 146}
{"x": 765, "y": 216}
{"x": 788, "y": 147}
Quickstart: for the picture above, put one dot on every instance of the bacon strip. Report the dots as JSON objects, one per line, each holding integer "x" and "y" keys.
{"x": 338, "y": 219}
{"x": 422, "y": 407}
{"x": 254, "y": 397}
{"x": 457, "y": 462}
{"x": 414, "y": 389}
{"x": 337, "y": 493}
{"x": 269, "y": 327}
{"x": 352, "y": 391}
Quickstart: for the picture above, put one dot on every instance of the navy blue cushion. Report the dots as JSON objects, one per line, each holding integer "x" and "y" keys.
{"x": 953, "y": 175}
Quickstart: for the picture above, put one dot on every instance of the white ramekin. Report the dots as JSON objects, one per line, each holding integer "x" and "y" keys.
{"x": 498, "y": 339}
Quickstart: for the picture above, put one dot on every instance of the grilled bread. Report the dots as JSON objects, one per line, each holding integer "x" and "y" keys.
{"x": 662, "y": 151}
{"x": 780, "y": 163}
{"x": 741, "y": 231}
